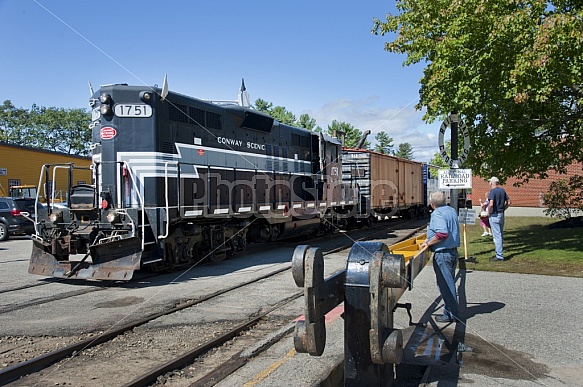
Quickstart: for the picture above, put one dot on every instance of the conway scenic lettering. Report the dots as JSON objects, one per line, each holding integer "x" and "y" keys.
{"x": 239, "y": 143}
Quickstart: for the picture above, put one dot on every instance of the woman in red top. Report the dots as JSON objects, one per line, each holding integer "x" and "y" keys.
{"x": 484, "y": 221}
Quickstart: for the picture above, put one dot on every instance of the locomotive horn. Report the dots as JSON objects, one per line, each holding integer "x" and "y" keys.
{"x": 243, "y": 96}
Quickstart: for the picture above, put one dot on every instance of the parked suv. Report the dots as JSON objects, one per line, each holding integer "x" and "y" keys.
{"x": 11, "y": 220}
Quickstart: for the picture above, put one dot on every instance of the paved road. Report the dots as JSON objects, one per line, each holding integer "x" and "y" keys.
{"x": 525, "y": 331}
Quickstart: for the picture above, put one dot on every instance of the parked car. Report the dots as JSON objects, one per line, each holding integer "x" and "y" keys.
{"x": 11, "y": 220}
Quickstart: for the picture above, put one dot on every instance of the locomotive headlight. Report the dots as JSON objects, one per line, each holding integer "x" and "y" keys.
{"x": 146, "y": 96}
{"x": 112, "y": 217}
{"x": 105, "y": 110}
{"x": 55, "y": 216}
{"x": 105, "y": 98}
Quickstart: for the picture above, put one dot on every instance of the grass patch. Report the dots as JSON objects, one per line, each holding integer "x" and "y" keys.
{"x": 530, "y": 247}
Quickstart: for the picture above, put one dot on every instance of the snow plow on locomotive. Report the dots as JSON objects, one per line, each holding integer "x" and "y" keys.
{"x": 178, "y": 179}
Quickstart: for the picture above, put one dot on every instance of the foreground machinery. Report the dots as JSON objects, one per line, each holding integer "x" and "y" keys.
{"x": 376, "y": 276}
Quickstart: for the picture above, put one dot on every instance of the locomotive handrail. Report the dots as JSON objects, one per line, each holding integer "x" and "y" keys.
{"x": 167, "y": 209}
{"x": 55, "y": 179}
{"x": 125, "y": 163}
{"x": 36, "y": 201}
{"x": 44, "y": 171}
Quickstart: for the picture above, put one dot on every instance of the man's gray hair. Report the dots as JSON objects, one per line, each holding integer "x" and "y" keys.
{"x": 437, "y": 198}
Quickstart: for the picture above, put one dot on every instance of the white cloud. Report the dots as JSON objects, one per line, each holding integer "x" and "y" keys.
{"x": 402, "y": 124}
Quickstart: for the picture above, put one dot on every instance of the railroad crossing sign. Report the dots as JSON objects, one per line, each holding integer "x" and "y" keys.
{"x": 441, "y": 141}
{"x": 455, "y": 178}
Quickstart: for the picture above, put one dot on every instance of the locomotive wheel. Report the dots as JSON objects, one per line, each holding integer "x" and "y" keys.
{"x": 274, "y": 232}
{"x": 218, "y": 256}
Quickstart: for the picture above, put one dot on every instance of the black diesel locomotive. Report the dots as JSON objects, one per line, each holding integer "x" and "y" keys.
{"x": 178, "y": 179}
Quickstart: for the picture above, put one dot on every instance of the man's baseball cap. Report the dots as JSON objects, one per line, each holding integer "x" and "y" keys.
{"x": 494, "y": 179}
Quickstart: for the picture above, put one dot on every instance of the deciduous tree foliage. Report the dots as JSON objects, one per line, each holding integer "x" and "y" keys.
{"x": 437, "y": 160}
{"x": 513, "y": 69}
{"x": 51, "y": 128}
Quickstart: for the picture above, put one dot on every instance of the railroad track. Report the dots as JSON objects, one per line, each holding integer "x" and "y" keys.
{"x": 252, "y": 319}
{"x": 90, "y": 287}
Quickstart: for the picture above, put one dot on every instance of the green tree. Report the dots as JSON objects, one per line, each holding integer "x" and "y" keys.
{"x": 405, "y": 151}
{"x": 306, "y": 122}
{"x": 512, "y": 69}
{"x": 384, "y": 143}
{"x": 438, "y": 161}
{"x": 14, "y": 124}
{"x": 280, "y": 113}
{"x": 565, "y": 198}
{"x": 55, "y": 129}
{"x": 351, "y": 134}
{"x": 263, "y": 106}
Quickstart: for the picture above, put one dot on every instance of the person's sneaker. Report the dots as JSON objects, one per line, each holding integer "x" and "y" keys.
{"x": 444, "y": 319}
{"x": 494, "y": 259}
{"x": 490, "y": 233}
{"x": 485, "y": 234}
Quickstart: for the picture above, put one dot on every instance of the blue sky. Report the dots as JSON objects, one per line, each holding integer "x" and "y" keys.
{"x": 315, "y": 57}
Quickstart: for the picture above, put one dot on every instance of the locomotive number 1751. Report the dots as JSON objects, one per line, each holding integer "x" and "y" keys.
{"x": 132, "y": 110}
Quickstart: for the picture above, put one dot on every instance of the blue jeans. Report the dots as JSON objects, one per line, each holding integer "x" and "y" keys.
{"x": 497, "y": 226}
{"x": 444, "y": 264}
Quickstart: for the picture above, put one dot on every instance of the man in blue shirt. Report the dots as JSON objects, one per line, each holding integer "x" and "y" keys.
{"x": 499, "y": 202}
{"x": 443, "y": 238}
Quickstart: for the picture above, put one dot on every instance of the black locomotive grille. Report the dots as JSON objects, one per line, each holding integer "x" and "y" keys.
{"x": 213, "y": 120}
{"x": 196, "y": 116}
{"x": 178, "y": 113}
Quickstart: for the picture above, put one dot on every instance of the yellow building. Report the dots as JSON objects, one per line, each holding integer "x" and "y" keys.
{"x": 20, "y": 166}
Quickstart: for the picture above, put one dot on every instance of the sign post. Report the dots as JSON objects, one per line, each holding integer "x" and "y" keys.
{"x": 466, "y": 216}
{"x": 456, "y": 178}
{"x": 454, "y": 161}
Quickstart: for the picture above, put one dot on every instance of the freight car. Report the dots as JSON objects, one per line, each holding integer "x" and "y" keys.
{"x": 178, "y": 179}
{"x": 387, "y": 185}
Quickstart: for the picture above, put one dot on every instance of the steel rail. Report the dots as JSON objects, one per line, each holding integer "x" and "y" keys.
{"x": 16, "y": 371}
{"x": 189, "y": 356}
